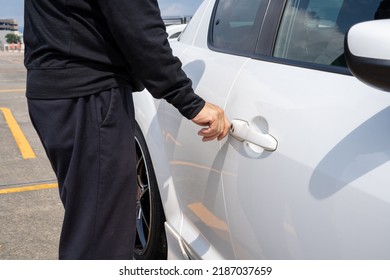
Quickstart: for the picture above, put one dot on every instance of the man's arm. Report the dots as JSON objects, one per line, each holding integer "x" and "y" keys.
{"x": 140, "y": 33}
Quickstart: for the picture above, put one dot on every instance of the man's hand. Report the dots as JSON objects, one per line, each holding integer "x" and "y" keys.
{"x": 214, "y": 118}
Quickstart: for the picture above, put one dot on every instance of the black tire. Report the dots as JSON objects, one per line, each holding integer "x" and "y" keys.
{"x": 151, "y": 243}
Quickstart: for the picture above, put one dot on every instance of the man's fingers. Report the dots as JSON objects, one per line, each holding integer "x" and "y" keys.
{"x": 208, "y": 134}
{"x": 213, "y": 117}
{"x": 218, "y": 129}
{"x": 225, "y": 130}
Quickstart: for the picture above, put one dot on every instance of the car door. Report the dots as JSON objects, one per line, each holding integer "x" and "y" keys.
{"x": 324, "y": 193}
{"x": 195, "y": 165}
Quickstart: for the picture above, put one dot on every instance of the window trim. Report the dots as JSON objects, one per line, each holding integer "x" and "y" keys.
{"x": 267, "y": 38}
{"x": 303, "y": 64}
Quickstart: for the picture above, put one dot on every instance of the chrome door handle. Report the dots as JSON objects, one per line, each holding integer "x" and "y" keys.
{"x": 241, "y": 131}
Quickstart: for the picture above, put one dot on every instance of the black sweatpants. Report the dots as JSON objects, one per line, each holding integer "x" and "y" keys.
{"x": 90, "y": 144}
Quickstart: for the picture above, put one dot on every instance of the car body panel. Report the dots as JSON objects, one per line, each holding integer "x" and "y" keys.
{"x": 328, "y": 148}
{"x": 201, "y": 191}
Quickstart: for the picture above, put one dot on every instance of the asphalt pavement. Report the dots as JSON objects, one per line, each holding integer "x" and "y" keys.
{"x": 30, "y": 210}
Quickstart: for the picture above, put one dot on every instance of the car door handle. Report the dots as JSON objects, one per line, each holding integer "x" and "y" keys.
{"x": 241, "y": 131}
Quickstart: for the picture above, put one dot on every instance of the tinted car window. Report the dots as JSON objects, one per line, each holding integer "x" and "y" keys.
{"x": 313, "y": 30}
{"x": 235, "y": 26}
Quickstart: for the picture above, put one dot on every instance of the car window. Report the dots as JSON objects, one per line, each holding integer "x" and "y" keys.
{"x": 313, "y": 30}
{"x": 234, "y": 24}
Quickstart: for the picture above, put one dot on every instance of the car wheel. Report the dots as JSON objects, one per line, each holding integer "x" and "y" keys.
{"x": 150, "y": 241}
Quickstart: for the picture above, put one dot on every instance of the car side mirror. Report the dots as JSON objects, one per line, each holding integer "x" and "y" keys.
{"x": 367, "y": 52}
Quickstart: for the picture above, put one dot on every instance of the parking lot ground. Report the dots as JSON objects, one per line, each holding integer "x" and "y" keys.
{"x": 30, "y": 209}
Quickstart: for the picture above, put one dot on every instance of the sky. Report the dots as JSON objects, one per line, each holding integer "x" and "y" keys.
{"x": 14, "y": 8}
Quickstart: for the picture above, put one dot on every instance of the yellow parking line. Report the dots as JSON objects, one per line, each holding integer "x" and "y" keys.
{"x": 18, "y": 135}
{"x": 29, "y": 188}
{"x": 13, "y": 90}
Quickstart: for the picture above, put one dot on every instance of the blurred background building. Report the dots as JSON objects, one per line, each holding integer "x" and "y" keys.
{"x": 9, "y": 26}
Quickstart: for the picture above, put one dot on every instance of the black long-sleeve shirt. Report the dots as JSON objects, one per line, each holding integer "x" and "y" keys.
{"x": 81, "y": 47}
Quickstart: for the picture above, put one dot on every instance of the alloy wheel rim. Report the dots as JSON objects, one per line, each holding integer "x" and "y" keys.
{"x": 143, "y": 205}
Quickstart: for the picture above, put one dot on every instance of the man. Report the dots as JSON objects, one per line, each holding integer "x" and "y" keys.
{"x": 84, "y": 58}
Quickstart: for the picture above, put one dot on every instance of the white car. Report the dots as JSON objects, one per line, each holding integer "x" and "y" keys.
{"x": 305, "y": 173}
